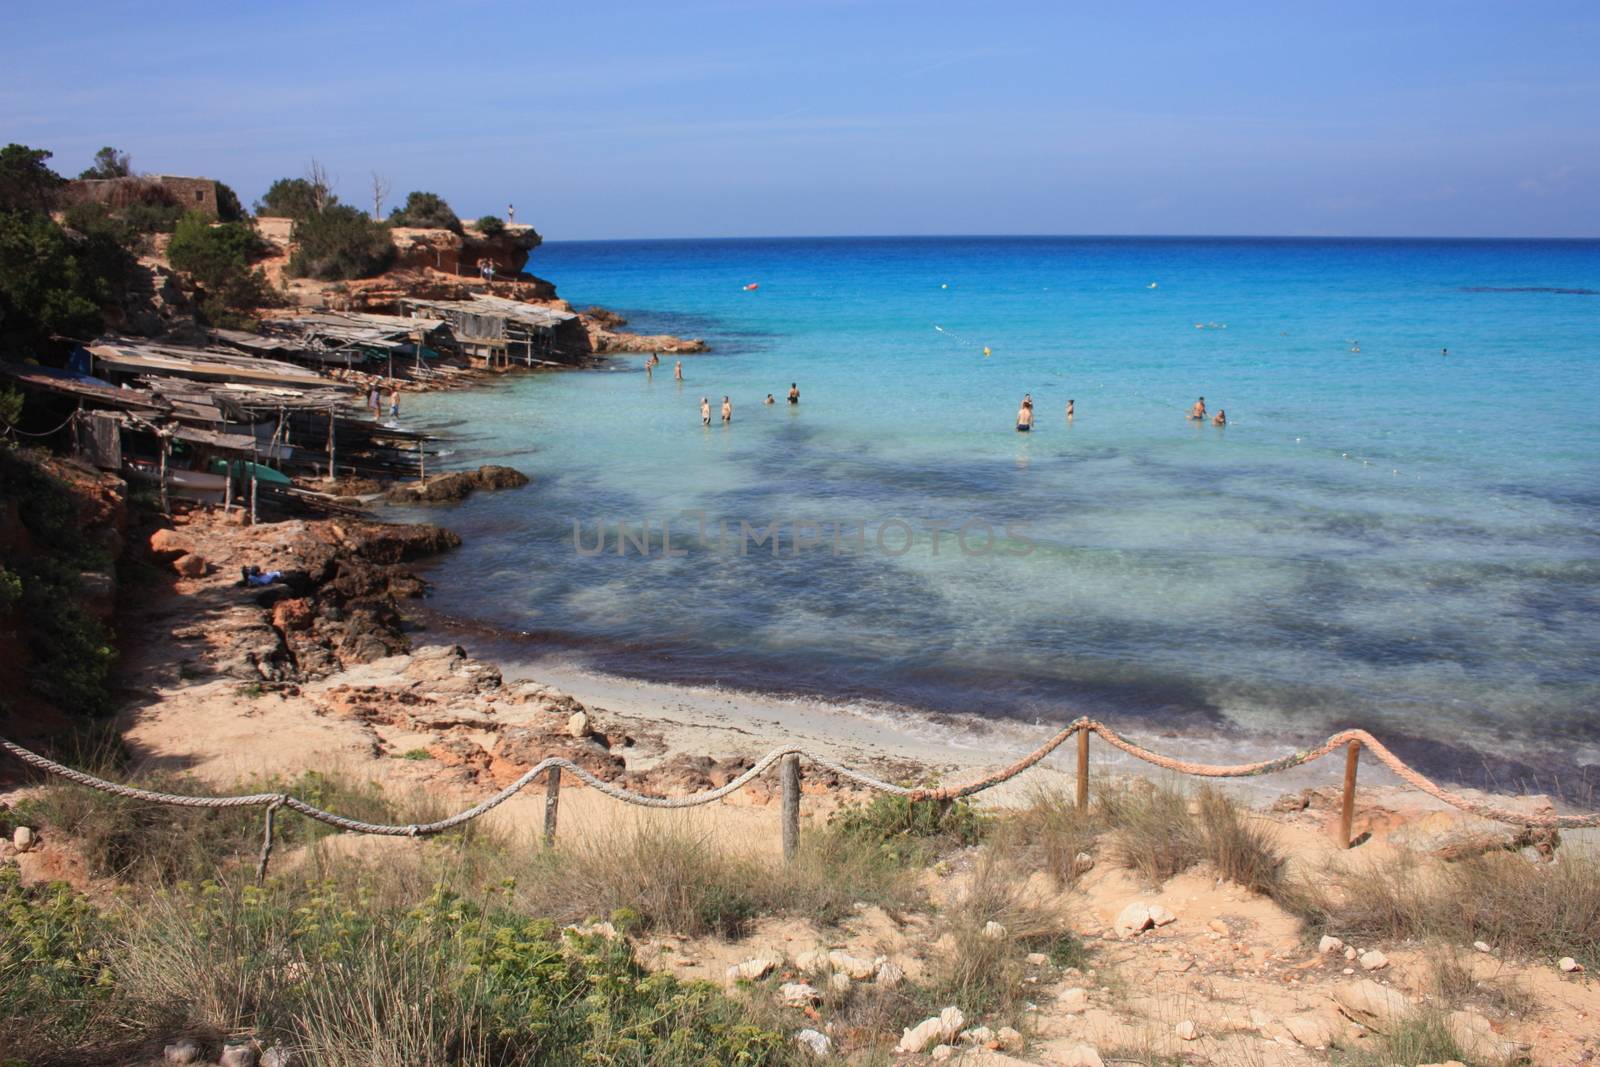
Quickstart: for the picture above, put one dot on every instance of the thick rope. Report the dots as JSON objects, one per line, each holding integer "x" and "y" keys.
{"x": 272, "y": 801}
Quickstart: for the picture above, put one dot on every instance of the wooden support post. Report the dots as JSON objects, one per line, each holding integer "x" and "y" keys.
{"x": 422, "y": 463}
{"x": 1347, "y": 813}
{"x": 1083, "y": 768}
{"x": 166, "y": 507}
{"x": 791, "y": 806}
{"x": 332, "y": 444}
{"x": 552, "y": 801}
{"x": 227, "y": 489}
{"x": 252, "y": 495}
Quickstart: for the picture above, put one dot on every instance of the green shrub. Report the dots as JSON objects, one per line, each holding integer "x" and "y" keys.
{"x": 109, "y": 163}
{"x": 490, "y": 226}
{"x": 294, "y": 198}
{"x": 340, "y": 243}
{"x": 212, "y": 253}
{"x": 427, "y": 211}
{"x": 444, "y": 979}
{"x": 229, "y": 209}
{"x": 27, "y": 184}
{"x": 54, "y": 973}
{"x": 218, "y": 257}
{"x": 69, "y": 650}
{"x": 910, "y": 830}
{"x": 54, "y": 283}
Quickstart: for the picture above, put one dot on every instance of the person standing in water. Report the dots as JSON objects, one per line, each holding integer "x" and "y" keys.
{"x": 677, "y": 370}
{"x": 1221, "y": 419}
{"x": 1025, "y": 416}
{"x": 1069, "y": 409}
{"x": 794, "y": 393}
{"x": 1199, "y": 409}
{"x": 769, "y": 399}
{"x": 705, "y": 412}
{"x": 727, "y": 411}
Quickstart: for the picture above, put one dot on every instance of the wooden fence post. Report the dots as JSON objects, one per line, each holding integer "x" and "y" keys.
{"x": 791, "y": 806}
{"x": 552, "y": 800}
{"x": 1347, "y": 813}
{"x": 1083, "y": 768}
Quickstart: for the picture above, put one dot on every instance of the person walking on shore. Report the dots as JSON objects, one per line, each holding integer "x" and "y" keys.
{"x": 794, "y": 393}
{"x": 394, "y": 403}
{"x": 727, "y": 411}
{"x": 705, "y": 412}
{"x": 375, "y": 400}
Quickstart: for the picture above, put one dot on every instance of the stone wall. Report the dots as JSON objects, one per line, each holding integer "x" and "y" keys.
{"x": 192, "y": 194}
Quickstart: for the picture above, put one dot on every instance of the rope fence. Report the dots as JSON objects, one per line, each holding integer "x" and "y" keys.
{"x": 789, "y": 756}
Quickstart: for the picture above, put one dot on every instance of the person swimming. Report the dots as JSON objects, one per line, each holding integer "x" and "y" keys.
{"x": 1025, "y": 416}
{"x": 727, "y": 411}
{"x": 1221, "y": 418}
{"x": 769, "y": 399}
{"x": 794, "y": 393}
{"x": 1199, "y": 410}
{"x": 705, "y": 412}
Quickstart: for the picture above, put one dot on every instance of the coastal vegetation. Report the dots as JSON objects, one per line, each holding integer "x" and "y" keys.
{"x": 56, "y": 284}
{"x": 219, "y": 258}
{"x": 426, "y": 211}
{"x": 69, "y": 651}
{"x": 485, "y": 948}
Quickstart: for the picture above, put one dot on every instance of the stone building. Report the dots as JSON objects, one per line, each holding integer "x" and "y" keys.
{"x": 191, "y": 194}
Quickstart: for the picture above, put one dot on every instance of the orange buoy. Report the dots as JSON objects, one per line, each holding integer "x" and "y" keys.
{"x": 751, "y": 287}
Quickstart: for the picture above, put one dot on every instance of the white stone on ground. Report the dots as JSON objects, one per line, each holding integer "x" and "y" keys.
{"x": 1133, "y": 919}
{"x": 1330, "y": 944}
{"x": 1374, "y": 960}
{"x": 1081, "y": 1055}
{"x": 818, "y": 1044}
{"x": 1187, "y": 1030}
{"x": 799, "y": 994}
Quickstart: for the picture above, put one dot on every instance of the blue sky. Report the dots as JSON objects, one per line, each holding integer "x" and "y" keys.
{"x": 604, "y": 120}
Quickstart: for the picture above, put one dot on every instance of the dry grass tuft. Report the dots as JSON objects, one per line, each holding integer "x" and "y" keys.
{"x": 985, "y": 974}
{"x": 661, "y": 874}
{"x": 1049, "y": 833}
{"x": 1527, "y": 909}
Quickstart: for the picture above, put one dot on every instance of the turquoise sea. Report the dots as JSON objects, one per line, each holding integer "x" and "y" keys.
{"x": 1385, "y": 534}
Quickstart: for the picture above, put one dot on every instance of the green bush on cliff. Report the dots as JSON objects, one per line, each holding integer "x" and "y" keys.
{"x": 490, "y": 226}
{"x": 218, "y": 257}
{"x": 426, "y": 211}
{"x": 351, "y": 979}
{"x": 294, "y": 198}
{"x": 69, "y": 650}
{"x": 340, "y": 243}
{"x": 909, "y": 830}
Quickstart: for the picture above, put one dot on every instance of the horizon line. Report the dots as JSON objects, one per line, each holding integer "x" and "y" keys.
{"x": 1061, "y": 236}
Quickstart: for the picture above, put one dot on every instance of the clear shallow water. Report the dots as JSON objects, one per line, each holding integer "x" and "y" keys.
{"x": 1393, "y": 537}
